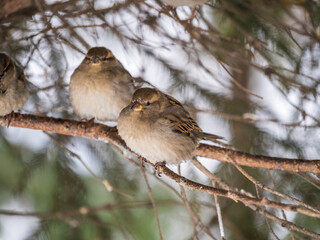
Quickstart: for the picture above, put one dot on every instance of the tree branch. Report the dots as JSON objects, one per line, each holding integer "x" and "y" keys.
{"x": 105, "y": 133}
{"x": 234, "y": 195}
{"x": 258, "y": 161}
{"x": 85, "y": 210}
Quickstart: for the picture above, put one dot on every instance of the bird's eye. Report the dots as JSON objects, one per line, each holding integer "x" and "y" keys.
{"x": 148, "y": 103}
{"x": 87, "y": 58}
{"x": 104, "y": 59}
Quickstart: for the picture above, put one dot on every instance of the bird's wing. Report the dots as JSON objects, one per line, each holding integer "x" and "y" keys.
{"x": 3, "y": 84}
{"x": 180, "y": 121}
{"x": 174, "y": 102}
{"x": 126, "y": 78}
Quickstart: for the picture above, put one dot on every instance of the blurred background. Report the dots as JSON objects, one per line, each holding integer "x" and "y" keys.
{"x": 248, "y": 70}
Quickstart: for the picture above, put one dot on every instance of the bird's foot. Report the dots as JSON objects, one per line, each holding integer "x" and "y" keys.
{"x": 10, "y": 116}
{"x": 158, "y": 167}
{"x": 142, "y": 160}
{"x": 88, "y": 123}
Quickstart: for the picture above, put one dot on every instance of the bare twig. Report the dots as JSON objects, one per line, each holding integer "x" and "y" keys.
{"x": 221, "y": 227}
{"x": 290, "y": 226}
{"x": 258, "y": 184}
{"x": 85, "y": 210}
{"x": 153, "y": 201}
{"x": 234, "y": 195}
{"x": 103, "y": 181}
{"x": 194, "y": 216}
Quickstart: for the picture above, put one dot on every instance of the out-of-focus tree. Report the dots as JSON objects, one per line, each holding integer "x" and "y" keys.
{"x": 246, "y": 69}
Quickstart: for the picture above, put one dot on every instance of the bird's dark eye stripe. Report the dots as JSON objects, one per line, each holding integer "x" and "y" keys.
{"x": 107, "y": 58}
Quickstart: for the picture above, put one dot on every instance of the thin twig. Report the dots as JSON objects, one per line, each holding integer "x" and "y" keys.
{"x": 278, "y": 198}
{"x": 264, "y": 213}
{"x": 153, "y": 202}
{"x": 104, "y": 182}
{"x": 194, "y": 216}
{"x": 221, "y": 227}
{"x": 85, "y": 209}
{"x": 244, "y": 173}
{"x": 188, "y": 207}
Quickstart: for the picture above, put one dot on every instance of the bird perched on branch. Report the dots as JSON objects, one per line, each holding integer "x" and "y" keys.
{"x": 13, "y": 89}
{"x": 100, "y": 87}
{"x": 159, "y": 128}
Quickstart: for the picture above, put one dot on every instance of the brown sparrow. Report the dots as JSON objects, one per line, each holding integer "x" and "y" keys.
{"x": 157, "y": 127}
{"x": 100, "y": 87}
{"x": 13, "y": 89}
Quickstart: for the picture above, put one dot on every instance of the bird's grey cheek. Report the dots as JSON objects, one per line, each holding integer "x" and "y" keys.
{"x": 157, "y": 107}
{"x": 126, "y": 110}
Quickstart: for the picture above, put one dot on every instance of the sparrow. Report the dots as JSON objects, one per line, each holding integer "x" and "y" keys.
{"x": 100, "y": 87}
{"x": 178, "y": 3}
{"x": 157, "y": 127}
{"x": 13, "y": 86}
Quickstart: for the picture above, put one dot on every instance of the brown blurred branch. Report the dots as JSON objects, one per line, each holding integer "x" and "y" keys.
{"x": 234, "y": 195}
{"x": 155, "y": 208}
{"x": 85, "y": 210}
{"x": 22, "y": 9}
{"x": 105, "y": 133}
{"x": 258, "y": 161}
{"x": 13, "y": 7}
{"x": 260, "y": 210}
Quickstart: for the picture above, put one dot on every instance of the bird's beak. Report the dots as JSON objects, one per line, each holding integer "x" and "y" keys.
{"x": 136, "y": 107}
{"x": 96, "y": 60}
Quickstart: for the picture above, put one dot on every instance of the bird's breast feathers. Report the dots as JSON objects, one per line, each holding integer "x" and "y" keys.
{"x": 96, "y": 95}
{"x": 156, "y": 142}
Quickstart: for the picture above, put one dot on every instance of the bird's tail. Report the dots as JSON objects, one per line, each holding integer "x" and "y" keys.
{"x": 214, "y": 138}
{"x": 209, "y": 136}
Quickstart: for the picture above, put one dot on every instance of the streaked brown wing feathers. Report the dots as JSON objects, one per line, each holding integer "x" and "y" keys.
{"x": 182, "y": 123}
{"x": 173, "y": 101}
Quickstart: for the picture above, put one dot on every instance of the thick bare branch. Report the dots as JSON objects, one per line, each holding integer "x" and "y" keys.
{"x": 258, "y": 161}
{"x": 106, "y": 133}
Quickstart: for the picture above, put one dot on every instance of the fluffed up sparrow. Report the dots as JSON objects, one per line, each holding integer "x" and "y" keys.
{"x": 13, "y": 89}
{"x": 100, "y": 87}
{"x": 157, "y": 127}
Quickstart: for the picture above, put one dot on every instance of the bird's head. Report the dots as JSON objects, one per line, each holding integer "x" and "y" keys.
{"x": 147, "y": 101}
{"x": 100, "y": 56}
